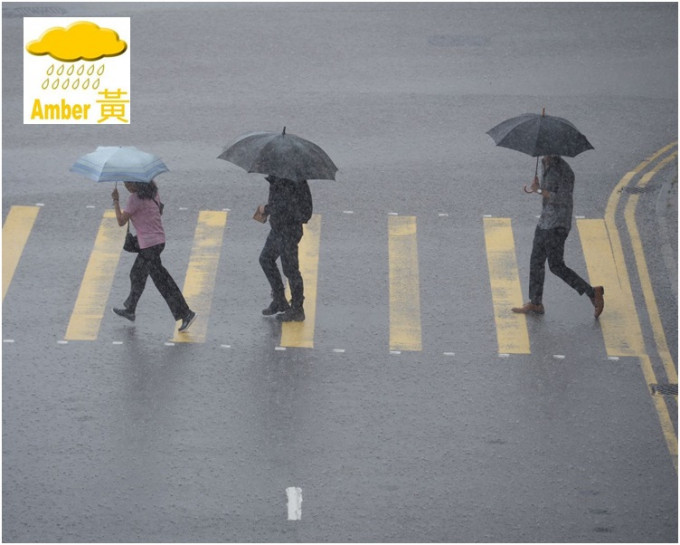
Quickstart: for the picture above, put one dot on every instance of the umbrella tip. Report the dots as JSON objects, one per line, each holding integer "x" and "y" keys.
{"x": 543, "y": 112}
{"x": 284, "y": 131}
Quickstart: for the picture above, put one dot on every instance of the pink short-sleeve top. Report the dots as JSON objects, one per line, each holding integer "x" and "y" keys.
{"x": 145, "y": 215}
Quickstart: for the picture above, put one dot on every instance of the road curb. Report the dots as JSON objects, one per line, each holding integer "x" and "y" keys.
{"x": 667, "y": 220}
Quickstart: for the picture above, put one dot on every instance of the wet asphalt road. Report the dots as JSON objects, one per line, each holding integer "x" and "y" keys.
{"x": 128, "y": 439}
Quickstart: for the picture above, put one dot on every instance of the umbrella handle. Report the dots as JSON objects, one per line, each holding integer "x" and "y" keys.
{"x": 525, "y": 190}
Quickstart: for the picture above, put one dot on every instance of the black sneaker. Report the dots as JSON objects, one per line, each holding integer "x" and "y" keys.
{"x": 276, "y": 307}
{"x": 125, "y": 313}
{"x": 187, "y": 321}
{"x": 293, "y": 314}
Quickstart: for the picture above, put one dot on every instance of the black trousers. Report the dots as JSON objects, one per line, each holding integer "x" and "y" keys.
{"x": 148, "y": 263}
{"x": 549, "y": 245}
{"x": 283, "y": 243}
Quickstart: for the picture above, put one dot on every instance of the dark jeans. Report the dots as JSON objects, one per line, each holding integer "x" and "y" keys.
{"x": 148, "y": 263}
{"x": 549, "y": 245}
{"x": 283, "y": 243}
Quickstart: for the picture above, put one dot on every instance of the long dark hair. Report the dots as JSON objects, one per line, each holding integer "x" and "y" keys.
{"x": 146, "y": 190}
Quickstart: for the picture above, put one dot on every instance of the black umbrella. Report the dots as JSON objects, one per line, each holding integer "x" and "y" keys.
{"x": 281, "y": 155}
{"x": 540, "y": 134}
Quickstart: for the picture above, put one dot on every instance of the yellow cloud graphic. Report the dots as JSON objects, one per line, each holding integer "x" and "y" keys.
{"x": 80, "y": 41}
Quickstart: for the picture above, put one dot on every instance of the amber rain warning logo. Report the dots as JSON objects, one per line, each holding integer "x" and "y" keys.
{"x": 77, "y": 70}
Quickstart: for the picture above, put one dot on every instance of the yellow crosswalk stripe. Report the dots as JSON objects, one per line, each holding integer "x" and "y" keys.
{"x": 15, "y": 232}
{"x": 301, "y": 334}
{"x": 619, "y": 321}
{"x": 199, "y": 283}
{"x": 97, "y": 281}
{"x": 404, "y": 281}
{"x": 511, "y": 328}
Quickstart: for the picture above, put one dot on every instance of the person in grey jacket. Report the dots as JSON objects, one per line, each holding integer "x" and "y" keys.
{"x": 554, "y": 224}
{"x": 288, "y": 207}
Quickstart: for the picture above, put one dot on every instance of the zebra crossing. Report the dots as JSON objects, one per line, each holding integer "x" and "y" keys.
{"x": 404, "y": 300}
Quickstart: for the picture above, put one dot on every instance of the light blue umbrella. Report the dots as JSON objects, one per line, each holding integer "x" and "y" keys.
{"x": 119, "y": 164}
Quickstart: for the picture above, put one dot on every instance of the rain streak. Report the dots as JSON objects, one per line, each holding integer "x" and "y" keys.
{"x": 80, "y": 77}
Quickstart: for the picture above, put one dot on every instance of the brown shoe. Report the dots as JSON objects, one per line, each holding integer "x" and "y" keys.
{"x": 529, "y": 308}
{"x": 598, "y": 300}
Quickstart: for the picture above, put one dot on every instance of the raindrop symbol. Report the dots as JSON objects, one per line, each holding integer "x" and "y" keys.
{"x": 100, "y": 71}
{"x": 60, "y": 70}
{"x": 50, "y": 70}
{"x": 81, "y": 70}
{"x": 70, "y": 70}
{"x": 76, "y": 83}
{"x": 55, "y": 85}
{"x": 86, "y": 83}
{"x": 65, "y": 84}
{"x": 95, "y": 85}
{"x": 90, "y": 70}
{"x": 46, "y": 83}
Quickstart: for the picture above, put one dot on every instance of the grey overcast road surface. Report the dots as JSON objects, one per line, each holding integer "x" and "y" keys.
{"x": 132, "y": 436}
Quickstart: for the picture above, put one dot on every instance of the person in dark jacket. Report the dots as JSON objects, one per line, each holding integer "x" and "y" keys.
{"x": 551, "y": 233}
{"x": 288, "y": 207}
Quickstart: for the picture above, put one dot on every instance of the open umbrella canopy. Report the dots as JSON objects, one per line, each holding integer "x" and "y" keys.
{"x": 540, "y": 134}
{"x": 281, "y": 155}
{"x": 119, "y": 164}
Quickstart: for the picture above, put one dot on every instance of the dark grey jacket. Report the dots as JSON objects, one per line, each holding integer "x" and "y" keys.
{"x": 290, "y": 203}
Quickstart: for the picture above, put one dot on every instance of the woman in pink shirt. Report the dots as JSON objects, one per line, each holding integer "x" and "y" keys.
{"x": 144, "y": 209}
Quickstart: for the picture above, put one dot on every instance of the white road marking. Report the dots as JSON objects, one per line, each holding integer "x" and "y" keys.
{"x": 294, "y": 502}
{"x": 280, "y": 348}
{"x": 559, "y": 356}
{"x": 339, "y": 350}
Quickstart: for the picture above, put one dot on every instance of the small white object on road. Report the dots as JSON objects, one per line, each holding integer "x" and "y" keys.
{"x": 294, "y": 502}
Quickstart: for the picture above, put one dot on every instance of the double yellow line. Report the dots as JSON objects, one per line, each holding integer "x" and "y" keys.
{"x": 646, "y": 170}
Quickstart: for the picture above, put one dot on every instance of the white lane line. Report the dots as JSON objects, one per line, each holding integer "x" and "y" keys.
{"x": 280, "y": 348}
{"x": 62, "y": 342}
{"x": 169, "y": 344}
{"x": 449, "y": 354}
{"x": 225, "y": 345}
{"x": 559, "y": 356}
{"x": 117, "y": 342}
{"x": 8, "y": 340}
{"x": 339, "y": 350}
{"x": 294, "y": 502}
{"x": 348, "y": 211}
{"x": 395, "y": 352}
{"x": 503, "y": 355}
